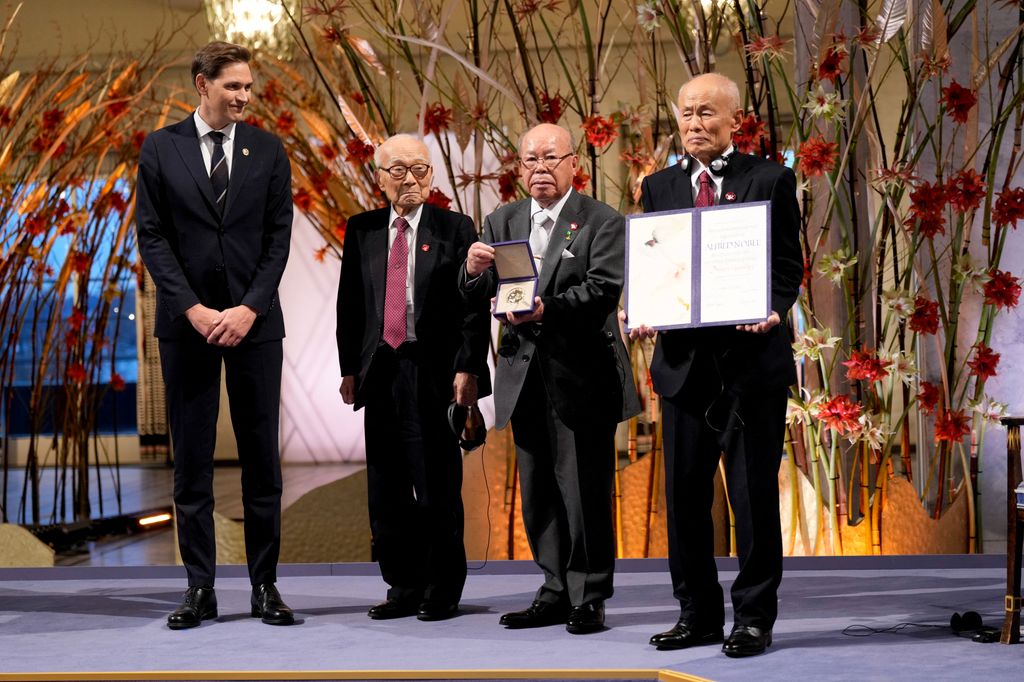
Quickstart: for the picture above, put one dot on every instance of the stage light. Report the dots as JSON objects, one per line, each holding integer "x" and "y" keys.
{"x": 261, "y": 25}
{"x": 154, "y": 519}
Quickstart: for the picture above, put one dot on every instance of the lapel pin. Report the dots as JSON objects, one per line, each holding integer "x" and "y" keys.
{"x": 573, "y": 226}
{"x": 568, "y": 236}
{"x": 245, "y": 151}
{"x": 730, "y": 196}
{"x": 425, "y": 247}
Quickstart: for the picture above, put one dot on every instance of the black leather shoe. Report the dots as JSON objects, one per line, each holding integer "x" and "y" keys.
{"x": 747, "y": 640}
{"x": 437, "y": 610}
{"x": 585, "y": 619}
{"x": 267, "y": 605}
{"x": 393, "y": 608}
{"x": 684, "y": 635}
{"x": 537, "y": 615}
{"x": 198, "y": 604}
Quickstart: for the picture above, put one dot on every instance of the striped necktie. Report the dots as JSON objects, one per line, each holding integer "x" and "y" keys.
{"x": 219, "y": 170}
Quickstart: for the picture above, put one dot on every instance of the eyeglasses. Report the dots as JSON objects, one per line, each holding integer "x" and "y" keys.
{"x": 550, "y": 162}
{"x": 418, "y": 170}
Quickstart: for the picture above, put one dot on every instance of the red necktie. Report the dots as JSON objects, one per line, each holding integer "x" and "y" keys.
{"x": 394, "y": 288}
{"x": 706, "y": 191}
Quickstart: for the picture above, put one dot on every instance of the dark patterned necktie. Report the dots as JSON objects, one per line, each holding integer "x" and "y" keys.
{"x": 395, "y": 286}
{"x": 706, "y": 191}
{"x": 219, "y": 170}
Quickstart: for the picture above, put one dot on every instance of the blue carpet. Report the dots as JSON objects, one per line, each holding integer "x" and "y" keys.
{"x": 112, "y": 621}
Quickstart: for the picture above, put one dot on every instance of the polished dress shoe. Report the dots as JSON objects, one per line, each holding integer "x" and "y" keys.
{"x": 267, "y": 605}
{"x": 393, "y": 608}
{"x": 585, "y": 619}
{"x": 537, "y": 615}
{"x": 747, "y": 640}
{"x": 437, "y": 610}
{"x": 684, "y": 635}
{"x": 198, "y": 604}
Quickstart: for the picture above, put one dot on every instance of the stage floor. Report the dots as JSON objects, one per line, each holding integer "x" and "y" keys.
{"x": 109, "y": 623}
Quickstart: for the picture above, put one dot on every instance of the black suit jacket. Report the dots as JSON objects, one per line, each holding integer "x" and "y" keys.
{"x": 744, "y": 359}
{"x": 197, "y": 256}
{"x": 452, "y": 334}
{"x": 582, "y": 360}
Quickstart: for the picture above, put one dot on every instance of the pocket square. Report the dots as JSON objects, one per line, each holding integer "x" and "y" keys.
{"x": 566, "y": 253}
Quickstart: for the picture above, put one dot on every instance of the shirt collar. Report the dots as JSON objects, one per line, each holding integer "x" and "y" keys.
{"x": 413, "y": 218}
{"x": 552, "y": 211}
{"x": 203, "y": 128}
{"x": 700, "y": 168}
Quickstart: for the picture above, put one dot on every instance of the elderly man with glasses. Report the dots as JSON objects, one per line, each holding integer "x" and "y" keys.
{"x": 564, "y": 379}
{"x": 408, "y": 345}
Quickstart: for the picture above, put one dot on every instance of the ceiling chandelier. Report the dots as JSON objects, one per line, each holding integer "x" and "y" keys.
{"x": 260, "y": 25}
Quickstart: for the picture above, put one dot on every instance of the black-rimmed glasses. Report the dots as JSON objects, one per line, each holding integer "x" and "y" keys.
{"x": 418, "y": 170}
{"x": 550, "y": 162}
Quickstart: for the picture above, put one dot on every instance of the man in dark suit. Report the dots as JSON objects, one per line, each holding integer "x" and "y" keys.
{"x": 564, "y": 379}
{"x": 214, "y": 216}
{"x": 408, "y": 344}
{"x": 724, "y": 389}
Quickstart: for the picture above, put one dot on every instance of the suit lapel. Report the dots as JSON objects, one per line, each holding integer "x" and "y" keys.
{"x": 187, "y": 142}
{"x": 736, "y": 182}
{"x": 425, "y": 257}
{"x": 377, "y": 251}
{"x": 519, "y": 224}
{"x": 241, "y": 161}
{"x": 680, "y": 188}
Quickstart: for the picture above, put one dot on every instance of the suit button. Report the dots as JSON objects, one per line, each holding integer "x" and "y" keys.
{"x": 219, "y": 268}
{"x": 526, "y": 358}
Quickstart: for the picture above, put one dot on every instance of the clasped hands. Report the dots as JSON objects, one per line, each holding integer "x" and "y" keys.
{"x": 225, "y": 328}
{"x": 645, "y": 332}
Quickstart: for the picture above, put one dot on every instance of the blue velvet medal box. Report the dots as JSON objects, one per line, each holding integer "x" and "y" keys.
{"x": 517, "y": 278}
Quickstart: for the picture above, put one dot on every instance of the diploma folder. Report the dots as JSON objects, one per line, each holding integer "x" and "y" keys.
{"x": 699, "y": 267}
{"x": 517, "y": 278}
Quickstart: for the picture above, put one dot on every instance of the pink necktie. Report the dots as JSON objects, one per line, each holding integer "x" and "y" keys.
{"x": 706, "y": 191}
{"x": 394, "y": 288}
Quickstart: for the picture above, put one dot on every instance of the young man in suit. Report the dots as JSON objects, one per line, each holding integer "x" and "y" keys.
{"x": 408, "y": 345}
{"x": 214, "y": 216}
{"x": 564, "y": 379}
{"x": 724, "y": 389}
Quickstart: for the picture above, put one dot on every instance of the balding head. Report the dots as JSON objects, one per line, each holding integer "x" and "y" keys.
{"x": 404, "y": 155}
{"x": 551, "y": 147}
{"x": 709, "y": 114}
{"x": 400, "y": 143}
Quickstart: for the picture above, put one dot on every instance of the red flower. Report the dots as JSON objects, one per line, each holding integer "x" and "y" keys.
{"x": 358, "y": 152}
{"x": 866, "y": 365}
{"x": 138, "y": 137}
{"x": 339, "y": 229}
{"x": 320, "y": 180}
{"x": 1009, "y": 207}
{"x": 329, "y": 151}
{"x": 285, "y": 123}
{"x": 5, "y": 117}
{"x": 1002, "y": 290}
{"x": 79, "y": 262}
{"x": 580, "y": 179}
{"x": 439, "y": 199}
{"x": 76, "y": 320}
{"x": 600, "y": 132}
{"x": 436, "y": 118}
{"x": 817, "y": 156}
{"x": 76, "y": 373}
{"x": 840, "y": 414}
{"x": 928, "y": 398}
{"x": 952, "y": 425}
{"x": 753, "y": 131}
{"x": 965, "y": 190}
{"x": 959, "y": 101}
{"x": 927, "y": 208}
{"x": 271, "y": 93}
{"x": 549, "y": 109}
{"x": 51, "y": 119}
{"x": 319, "y": 254}
{"x": 831, "y": 67}
{"x": 925, "y": 318}
{"x": 984, "y": 363}
{"x": 36, "y": 224}
{"x": 303, "y": 199}
{"x": 507, "y": 186}
{"x": 332, "y": 35}
{"x": 357, "y": 97}
{"x": 116, "y": 382}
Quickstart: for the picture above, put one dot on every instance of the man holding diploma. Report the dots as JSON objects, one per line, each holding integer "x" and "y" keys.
{"x": 724, "y": 388}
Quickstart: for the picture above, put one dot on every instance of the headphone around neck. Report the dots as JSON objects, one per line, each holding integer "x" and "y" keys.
{"x": 718, "y": 166}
